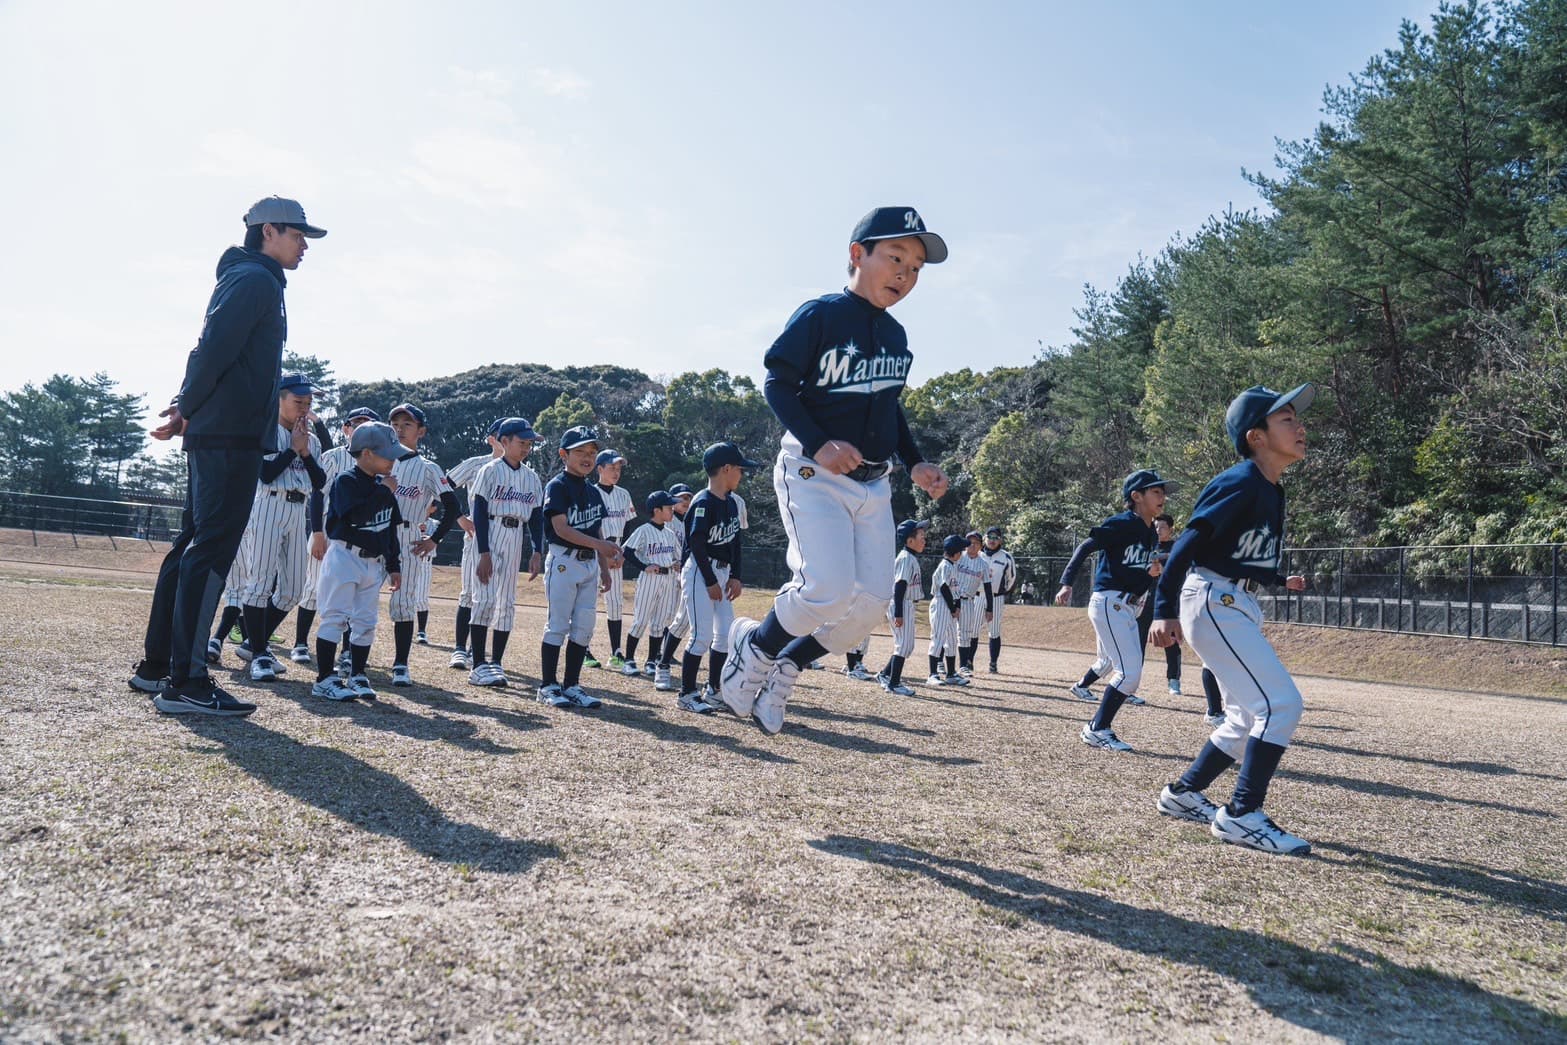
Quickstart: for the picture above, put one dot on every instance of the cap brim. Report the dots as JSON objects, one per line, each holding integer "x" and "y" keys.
{"x": 749, "y": 465}
{"x": 935, "y": 246}
{"x": 311, "y": 232}
{"x": 406, "y": 455}
{"x": 585, "y": 442}
{"x": 1163, "y": 484}
{"x": 1300, "y": 397}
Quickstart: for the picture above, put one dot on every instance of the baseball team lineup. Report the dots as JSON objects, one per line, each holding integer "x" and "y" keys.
{"x": 273, "y": 523}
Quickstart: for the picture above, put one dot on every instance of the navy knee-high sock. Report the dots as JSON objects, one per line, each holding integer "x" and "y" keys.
{"x": 402, "y": 641}
{"x": 464, "y": 617}
{"x": 690, "y": 666}
{"x": 1207, "y": 767}
{"x": 614, "y": 636}
{"x": 231, "y": 616}
{"x": 575, "y": 655}
{"x": 498, "y": 645}
{"x": 631, "y": 647}
{"x": 803, "y": 650}
{"x": 477, "y": 636}
{"x": 995, "y": 650}
{"x": 1109, "y": 704}
{"x": 1257, "y": 769}
{"x": 1210, "y": 689}
{"x": 256, "y": 630}
{"x": 715, "y": 668}
{"x": 895, "y": 670}
{"x": 423, "y": 617}
{"x": 549, "y": 663}
{"x": 303, "y": 618}
{"x": 1089, "y": 678}
{"x": 771, "y": 638}
{"x": 326, "y": 654}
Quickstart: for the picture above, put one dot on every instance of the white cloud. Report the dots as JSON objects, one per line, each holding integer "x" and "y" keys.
{"x": 561, "y": 83}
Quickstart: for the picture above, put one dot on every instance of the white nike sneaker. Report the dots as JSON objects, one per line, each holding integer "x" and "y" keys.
{"x": 333, "y": 688}
{"x": 746, "y": 671}
{"x": 663, "y": 681}
{"x": 1084, "y": 693}
{"x": 1103, "y": 738}
{"x": 1256, "y": 831}
{"x": 461, "y": 659}
{"x": 1188, "y": 805}
{"x": 768, "y": 708}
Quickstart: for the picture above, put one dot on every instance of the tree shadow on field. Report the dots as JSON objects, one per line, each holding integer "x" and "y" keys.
{"x": 1466, "y": 882}
{"x": 357, "y": 793}
{"x": 1347, "y": 992}
{"x": 1384, "y": 790}
{"x": 1482, "y": 768}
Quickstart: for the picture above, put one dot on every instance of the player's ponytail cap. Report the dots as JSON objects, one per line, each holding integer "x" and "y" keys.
{"x": 361, "y": 413}
{"x": 517, "y": 426}
{"x": 607, "y": 457}
{"x": 659, "y": 499}
{"x": 1144, "y": 479}
{"x": 909, "y": 527}
{"x": 1251, "y": 408}
{"x": 954, "y": 543}
{"x": 895, "y": 223}
{"x": 379, "y": 438}
{"x": 409, "y": 409}
{"x": 298, "y": 384}
{"x": 720, "y": 454}
{"x": 580, "y": 435}
{"x": 275, "y": 210}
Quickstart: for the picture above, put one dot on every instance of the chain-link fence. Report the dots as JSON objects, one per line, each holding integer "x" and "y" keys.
{"x": 148, "y": 519}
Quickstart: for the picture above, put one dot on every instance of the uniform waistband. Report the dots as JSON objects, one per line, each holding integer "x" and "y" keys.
{"x": 1214, "y": 577}
{"x": 363, "y": 553}
{"x": 292, "y": 496}
{"x": 581, "y": 554}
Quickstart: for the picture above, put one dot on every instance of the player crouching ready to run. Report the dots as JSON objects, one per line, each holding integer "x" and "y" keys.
{"x": 362, "y": 551}
{"x": 576, "y": 570}
{"x": 834, "y": 379}
{"x": 1127, "y": 546}
{"x": 1231, "y": 545}
{"x": 505, "y": 497}
{"x": 710, "y": 575}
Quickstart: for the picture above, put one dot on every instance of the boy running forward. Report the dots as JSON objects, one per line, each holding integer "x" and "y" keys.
{"x": 462, "y": 474}
{"x": 1231, "y": 545}
{"x": 710, "y": 575}
{"x": 906, "y": 595}
{"x": 504, "y": 497}
{"x": 1127, "y": 566}
{"x": 576, "y": 569}
{"x": 834, "y": 378}
{"x": 655, "y": 550}
{"x": 420, "y": 484}
{"x": 361, "y": 528}
{"x": 944, "y": 609}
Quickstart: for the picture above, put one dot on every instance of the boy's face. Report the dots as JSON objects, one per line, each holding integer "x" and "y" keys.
{"x": 1149, "y": 502}
{"x": 683, "y": 504}
{"x": 374, "y": 463}
{"x": 609, "y": 474}
{"x": 1283, "y": 435}
{"x": 726, "y": 478}
{"x": 664, "y": 514}
{"x": 973, "y": 548}
{"x": 1163, "y": 528}
{"x": 888, "y": 274}
{"x": 291, "y": 407}
{"x": 579, "y": 459}
{"x": 409, "y": 431}
{"x": 349, "y": 426}
{"x": 515, "y": 448}
{"x": 916, "y": 543}
{"x": 993, "y": 542}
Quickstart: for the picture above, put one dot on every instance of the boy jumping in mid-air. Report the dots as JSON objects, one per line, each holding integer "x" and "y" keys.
{"x": 1231, "y": 546}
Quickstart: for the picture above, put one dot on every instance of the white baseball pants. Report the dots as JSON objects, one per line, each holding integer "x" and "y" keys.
{"x": 709, "y": 620}
{"x": 1120, "y": 658}
{"x": 655, "y": 604}
{"x": 348, "y": 594}
{"x": 572, "y": 586}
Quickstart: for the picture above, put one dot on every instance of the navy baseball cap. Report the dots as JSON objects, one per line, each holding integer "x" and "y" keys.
{"x": 953, "y": 543}
{"x": 517, "y": 426}
{"x": 994, "y": 531}
{"x": 276, "y": 210}
{"x": 972, "y": 535}
{"x": 659, "y": 499}
{"x": 1251, "y": 408}
{"x": 680, "y": 490}
{"x": 381, "y": 438}
{"x": 406, "y": 408}
{"x": 296, "y": 383}
{"x": 895, "y": 223}
{"x": 607, "y": 457}
{"x": 361, "y": 413}
{"x": 1144, "y": 479}
{"x": 579, "y": 435}
{"x": 720, "y": 454}
{"x": 494, "y": 427}
{"x": 909, "y": 527}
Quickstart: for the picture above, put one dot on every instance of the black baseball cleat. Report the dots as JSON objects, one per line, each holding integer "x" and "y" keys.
{"x": 200, "y": 697}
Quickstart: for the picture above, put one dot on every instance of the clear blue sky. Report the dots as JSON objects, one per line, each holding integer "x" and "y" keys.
{"x": 651, "y": 185}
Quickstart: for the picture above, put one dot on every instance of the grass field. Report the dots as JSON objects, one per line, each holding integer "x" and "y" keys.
{"x": 461, "y": 863}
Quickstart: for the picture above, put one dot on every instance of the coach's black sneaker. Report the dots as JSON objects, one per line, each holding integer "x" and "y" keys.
{"x": 200, "y": 697}
{"x": 149, "y": 678}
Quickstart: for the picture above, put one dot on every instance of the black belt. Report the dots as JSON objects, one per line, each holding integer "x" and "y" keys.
{"x": 584, "y": 554}
{"x": 869, "y": 471}
{"x": 1250, "y": 587}
{"x": 511, "y": 522}
{"x": 292, "y": 496}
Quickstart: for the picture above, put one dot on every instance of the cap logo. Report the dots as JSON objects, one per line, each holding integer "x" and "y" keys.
{"x": 911, "y": 221}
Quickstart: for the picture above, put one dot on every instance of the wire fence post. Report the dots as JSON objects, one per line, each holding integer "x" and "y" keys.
{"x": 1399, "y": 625}
{"x": 1469, "y": 595}
{"x": 1555, "y": 548}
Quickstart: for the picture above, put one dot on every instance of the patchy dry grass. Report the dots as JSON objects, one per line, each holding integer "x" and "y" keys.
{"x": 460, "y": 862}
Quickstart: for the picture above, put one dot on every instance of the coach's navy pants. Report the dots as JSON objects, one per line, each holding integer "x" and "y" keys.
{"x": 220, "y": 486}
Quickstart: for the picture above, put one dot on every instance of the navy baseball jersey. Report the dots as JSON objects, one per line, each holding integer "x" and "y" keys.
{"x": 1242, "y": 514}
{"x": 713, "y": 534}
{"x": 362, "y": 513}
{"x": 1126, "y": 547}
{"x": 579, "y": 501}
{"x": 836, "y": 372}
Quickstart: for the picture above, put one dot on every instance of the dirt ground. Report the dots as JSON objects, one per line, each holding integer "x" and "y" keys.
{"x": 451, "y": 862}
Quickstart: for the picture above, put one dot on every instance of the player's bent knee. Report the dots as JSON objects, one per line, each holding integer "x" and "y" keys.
{"x": 1283, "y": 719}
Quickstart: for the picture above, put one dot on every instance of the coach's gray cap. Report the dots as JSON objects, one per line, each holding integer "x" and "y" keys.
{"x": 276, "y": 210}
{"x": 380, "y": 438}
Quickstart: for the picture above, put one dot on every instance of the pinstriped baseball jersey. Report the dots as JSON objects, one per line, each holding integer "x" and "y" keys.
{"x": 462, "y": 473}
{"x": 510, "y": 493}
{"x": 943, "y": 625}
{"x": 970, "y": 576}
{"x": 276, "y": 566}
{"x": 617, "y": 512}
{"x": 656, "y": 545}
{"x": 420, "y": 482}
{"x": 657, "y": 594}
{"x": 907, "y": 569}
{"x": 294, "y": 477}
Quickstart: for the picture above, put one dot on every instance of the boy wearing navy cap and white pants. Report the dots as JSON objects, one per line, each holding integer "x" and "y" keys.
{"x": 617, "y": 514}
{"x": 1231, "y": 545}
{"x": 505, "y": 498}
{"x": 710, "y": 575}
{"x": 420, "y": 483}
{"x": 575, "y": 570}
{"x": 1128, "y": 563}
{"x": 834, "y": 378}
{"x": 462, "y": 474}
{"x": 906, "y": 596}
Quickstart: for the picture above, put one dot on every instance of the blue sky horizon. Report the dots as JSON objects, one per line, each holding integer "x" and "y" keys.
{"x": 577, "y": 184}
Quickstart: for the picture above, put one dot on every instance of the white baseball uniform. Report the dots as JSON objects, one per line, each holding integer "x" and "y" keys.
{"x": 618, "y": 513}
{"x": 276, "y": 567}
{"x": 907, "y": 569}
{"x": 334, "y": 462}
{"x": 943, "y": 625}
{"x": 462, "y": 474}
{"x": 511, "y": 495}
{"x": 1003, "y": 575}
{"x": 970, "y": 589}
{"x": 420, "y": 483}
{"x": 657, "y": 596}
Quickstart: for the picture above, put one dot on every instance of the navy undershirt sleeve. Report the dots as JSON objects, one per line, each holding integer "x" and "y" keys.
{"x": 449, "y": 512}
{"x": 272, "y": 467}
{"x": 315, "y": 511}
{"x": 481, "y": 523}
{"x": 906, "y": 446}
{"x": 948, "y": 598}
{"x": 782, "y": 391}
{"x": 1167, "y": 592}
{"x": 990, "y": 599}
{"x": 900, "y": 591}
{"x": 1079, "y": 556}
{"x": 536, "y": 531}
{"x": 316, "y": 472}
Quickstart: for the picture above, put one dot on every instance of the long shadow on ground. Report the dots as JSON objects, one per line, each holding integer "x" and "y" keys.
{"x": 360, "y": 794}
{"x": 1385, "y": 790}
{"x": 1482, "y": 768}
{"x": 1346, "y": 992}
{"x": 1465, "y": 882}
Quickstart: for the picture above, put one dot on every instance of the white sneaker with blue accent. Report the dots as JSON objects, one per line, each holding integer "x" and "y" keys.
{"x": 1255, "y": 831}
{"x": 768, "y": 709}
{"x": 1103, "y": 738}
{"x": 579, "y": 697}
{"x": 1192, "y": 806}
{"x": 746, "y": 671}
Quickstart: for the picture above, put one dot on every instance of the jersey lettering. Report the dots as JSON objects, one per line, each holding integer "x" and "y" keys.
{"x": 844, "y": 369}
{"x": 1259, "y": 548}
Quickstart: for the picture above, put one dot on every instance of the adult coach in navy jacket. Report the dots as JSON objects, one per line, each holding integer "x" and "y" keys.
{"x": 226, "y": 411}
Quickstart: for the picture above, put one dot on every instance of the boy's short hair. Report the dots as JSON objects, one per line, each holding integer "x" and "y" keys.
{"x": 255, "y": 235}
{"x": 1165, "y": 517}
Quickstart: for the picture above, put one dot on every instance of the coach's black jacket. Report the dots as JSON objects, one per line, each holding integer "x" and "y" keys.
{"x": 229, "y": 396}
